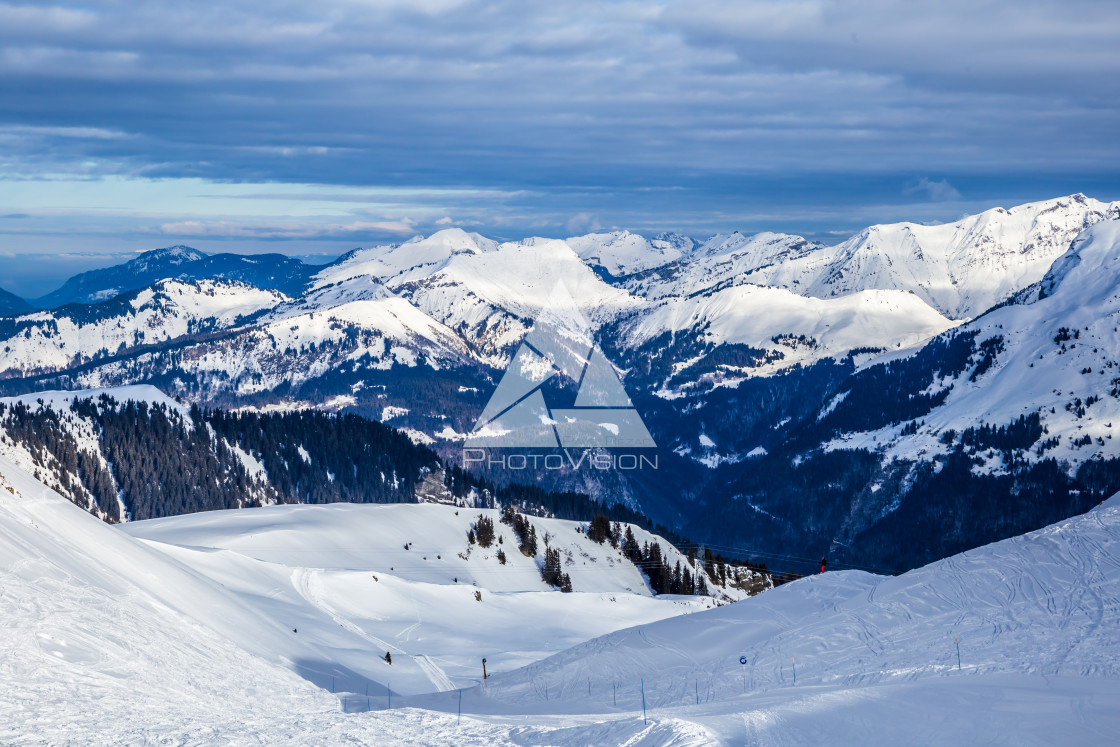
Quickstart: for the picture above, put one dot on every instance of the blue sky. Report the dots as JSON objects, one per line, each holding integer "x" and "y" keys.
{"x": 311, "y": 128}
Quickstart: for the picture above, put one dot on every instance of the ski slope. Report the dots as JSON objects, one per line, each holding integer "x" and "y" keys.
{"x": 111, "y": 640}
{"x": 1037, "y": 618}
{"x": 106, "y": 639}
{"x": 341, "y": 575}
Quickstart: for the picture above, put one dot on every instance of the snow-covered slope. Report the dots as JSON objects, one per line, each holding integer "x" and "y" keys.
{"x": 961, "y": 268}
{"x": 622, "y": 253}
{"x": 113, "y": 640}
{"x": 1056, "y": 358}
{"x": 328, "y": 328}
{"x": 1037, "y": 619}
{"x": 168, "y": 309}
{"x": 796, "y": 329}
{"x": 342, "y": 575}
{"x": 108, "y": 640}
{"x": 493, "y": 298}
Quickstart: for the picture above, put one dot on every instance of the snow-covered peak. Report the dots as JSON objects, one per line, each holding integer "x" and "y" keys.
{"x": 492, "y": 298}
{"x": 730, "y": 259}
{"x": 624, "y": 253}
{"x": 166, "y": 257}
{"x": 965, "y": 267}
{"x": 960, "y": 268}
{"x": 519, "y": 277}
{"x": 418, "y": 254}
{"x": 680, "y": 242}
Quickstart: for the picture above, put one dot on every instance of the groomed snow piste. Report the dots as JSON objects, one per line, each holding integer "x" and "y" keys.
{"x": 110, "y": 640}
{"x": 342, "y": 576}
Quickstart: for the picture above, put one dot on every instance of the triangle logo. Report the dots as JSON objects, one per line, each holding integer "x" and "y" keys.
{"x": 560, "y": 343}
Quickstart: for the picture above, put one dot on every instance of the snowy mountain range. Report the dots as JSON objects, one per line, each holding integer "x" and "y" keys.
{"x": 860, "y": 371}
{"x": 960, "y": 269}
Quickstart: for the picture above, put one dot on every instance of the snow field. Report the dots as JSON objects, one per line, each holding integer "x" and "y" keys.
{"x": 341, "y": 575}
{"x": 109, "y": 640}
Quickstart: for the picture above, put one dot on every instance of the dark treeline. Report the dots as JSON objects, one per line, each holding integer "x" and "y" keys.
{"x": 1021, "y": 433}
{"x": 939, "y": 507}
{"x": 315, "y": 457}
{"x": 953, "y": 499}
{"x": 81, "y": 474}
{"x": 163, "y": 463}
{"x": 894, "y": 392}
{"x": 159, "y": 461}
{"x": 704, "y": 572}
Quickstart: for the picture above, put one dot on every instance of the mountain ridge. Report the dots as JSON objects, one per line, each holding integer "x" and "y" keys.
{"x": 864, "y": 398}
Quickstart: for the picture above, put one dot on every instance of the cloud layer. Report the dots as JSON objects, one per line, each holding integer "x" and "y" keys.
{"x": 539, "y": 116}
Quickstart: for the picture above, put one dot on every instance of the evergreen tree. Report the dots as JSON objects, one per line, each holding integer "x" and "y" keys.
{"x": 552, "y": 572}
{"x": 599, "y": 530}
{"x": 630, "y": 548}
{"x": 484, "y": 531}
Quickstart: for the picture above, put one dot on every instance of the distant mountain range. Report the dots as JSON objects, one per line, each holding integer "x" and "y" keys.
{"x": 268, "y": 271}
{"x": 11, "y": 304}
{"x": 910, "y": 392}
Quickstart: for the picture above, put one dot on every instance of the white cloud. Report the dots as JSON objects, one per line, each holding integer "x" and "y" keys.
{"x": 939, "y": 191}
{"x": 231, "y": 229}
{"x": 583, "y": 223}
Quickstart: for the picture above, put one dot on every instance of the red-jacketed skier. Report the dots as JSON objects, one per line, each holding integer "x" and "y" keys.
{"x": 824, "y": 562}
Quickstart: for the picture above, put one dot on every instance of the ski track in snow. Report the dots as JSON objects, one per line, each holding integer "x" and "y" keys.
{"x": 438, "y": 677}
